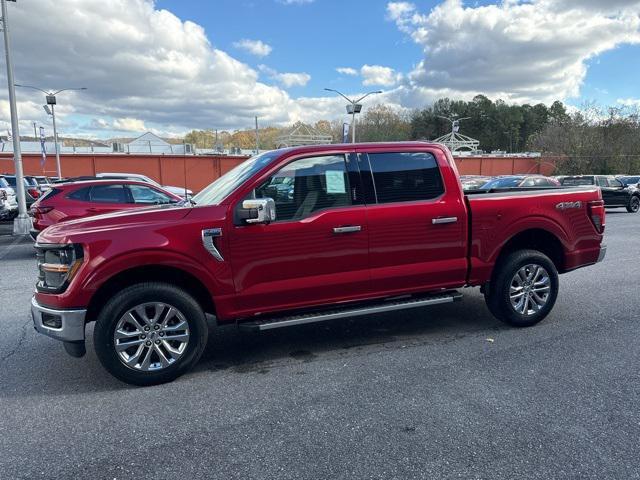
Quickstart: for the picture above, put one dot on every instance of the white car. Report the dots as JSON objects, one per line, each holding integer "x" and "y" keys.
{"x": 180, "y": 191}
{"x": 8, "y": 201}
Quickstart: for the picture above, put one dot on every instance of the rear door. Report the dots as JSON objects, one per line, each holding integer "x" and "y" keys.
{"x": 316, "y": 252}
{"x": 417, "y": 221}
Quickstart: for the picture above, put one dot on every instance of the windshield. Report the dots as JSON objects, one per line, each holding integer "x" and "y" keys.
{"x": 577, "y": 181}
{"x": 502, "y": 183}
{"x": 3, "y": 183}
{"x": 226, "y": 184}
{"x": 629, "y": 180}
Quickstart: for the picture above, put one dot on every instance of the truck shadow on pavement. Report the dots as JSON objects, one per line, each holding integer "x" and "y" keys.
{"x": 230, "y": 351}
{"x": 246, "y": 352}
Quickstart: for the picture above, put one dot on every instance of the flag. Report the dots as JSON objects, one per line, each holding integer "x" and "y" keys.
{"x": 43, "y": 148}
{"x": 345, "y": 132}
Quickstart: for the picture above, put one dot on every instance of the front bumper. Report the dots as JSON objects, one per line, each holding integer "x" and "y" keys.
{"x": 603, "y": 253}
{"x": 71, "y": 322}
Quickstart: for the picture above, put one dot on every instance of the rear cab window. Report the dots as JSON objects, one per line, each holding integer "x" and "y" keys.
{"x": 577, "y": 181}
{"x": 402, "y": 176}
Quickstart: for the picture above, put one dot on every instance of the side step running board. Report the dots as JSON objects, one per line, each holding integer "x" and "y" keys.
{"x": 386, "y": 306}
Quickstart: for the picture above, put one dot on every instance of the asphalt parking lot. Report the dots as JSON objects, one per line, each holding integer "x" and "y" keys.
{"x": 445, "y": 392}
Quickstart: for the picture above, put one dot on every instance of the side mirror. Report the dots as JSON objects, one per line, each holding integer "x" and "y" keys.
{"x": 260, "y": 210}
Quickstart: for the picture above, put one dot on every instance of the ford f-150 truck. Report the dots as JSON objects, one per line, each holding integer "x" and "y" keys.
{"x": 304, "y": 235}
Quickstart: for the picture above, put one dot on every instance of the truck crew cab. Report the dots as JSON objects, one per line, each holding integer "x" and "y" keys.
{"x": 303, "y": 235}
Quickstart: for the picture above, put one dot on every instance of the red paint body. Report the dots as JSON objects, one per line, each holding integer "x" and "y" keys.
{"x": 293, "y": 264}
{"x": 52, "y": 209}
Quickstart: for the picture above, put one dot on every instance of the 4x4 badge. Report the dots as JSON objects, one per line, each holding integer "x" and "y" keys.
{"x": 566, "y": 205}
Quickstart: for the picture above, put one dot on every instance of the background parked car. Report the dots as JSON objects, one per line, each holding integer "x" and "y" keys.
{"x": 8, "y": 202}
{"x": 44, "y": 183}
{"x": 614, "y": 192}
{"x": 180, "y": 191}
{"x": 633, "y": 180}
{"x": 32, "y": 193}
{"x": 517, "y": 181}
{"x": 473, "y": 182}
{"x": 68, "y": 201}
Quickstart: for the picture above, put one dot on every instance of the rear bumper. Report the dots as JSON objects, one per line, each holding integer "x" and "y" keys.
{"x": 603, "y": 253}
{"x": 63, "y": 325}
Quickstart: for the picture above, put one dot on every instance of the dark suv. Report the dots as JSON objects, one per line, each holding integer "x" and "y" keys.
{"x": 614, "y": 192}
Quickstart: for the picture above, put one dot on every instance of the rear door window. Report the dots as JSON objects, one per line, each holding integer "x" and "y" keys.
{"x": 405, "y": 177}
{"x": 109, "y": 194}
{"x": 82, "y": 194}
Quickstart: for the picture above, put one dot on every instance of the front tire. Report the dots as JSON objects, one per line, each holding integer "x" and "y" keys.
{"x": 150, "y": 333}
{"x": 524, "y": 288}
{"x": 634, "y": 204}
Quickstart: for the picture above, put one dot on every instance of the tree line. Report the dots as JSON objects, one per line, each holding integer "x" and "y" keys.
{"x": 586, "y": 140}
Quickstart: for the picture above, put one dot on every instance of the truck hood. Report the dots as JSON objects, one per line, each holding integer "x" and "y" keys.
{"x": 70, "y": 231}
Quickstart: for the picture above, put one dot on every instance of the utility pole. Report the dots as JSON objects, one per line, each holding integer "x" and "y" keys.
{"x": 22, "y": 224}
{"x": 353, "y": 107}
{"x": 257, "y": 137}
{"x": 55, "y": 139}
{"x": 50, "y": 109}
{"x": 35, "y": 132}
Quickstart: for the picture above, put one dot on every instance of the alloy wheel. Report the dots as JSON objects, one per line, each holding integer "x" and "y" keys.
{"x": 530, "y": 289}
{"x": 151, "y": 336}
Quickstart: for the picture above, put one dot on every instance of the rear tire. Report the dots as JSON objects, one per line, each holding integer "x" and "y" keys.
{"x": 524, "y": 288}
{"x": 167, "y": 329}
{"x": 634, "y": 204}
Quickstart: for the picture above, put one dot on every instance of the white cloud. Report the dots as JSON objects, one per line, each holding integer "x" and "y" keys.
{"x": 629, "y": 102}
{"x": 286, "y": 79}
{"x": 129, "y": 124}
{"x": 518, "y": 50}
{"x": 254, "y": 47}
{"x": 138, "y": 62}
{"x": 379, "y": 75}
{"x": 347, "y": 71}
{"x": 295, "y": 2}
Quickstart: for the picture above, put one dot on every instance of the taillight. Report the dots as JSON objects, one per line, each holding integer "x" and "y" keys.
{"x": 596, "y": 214}
{"x": 34, "y": 192}
{"x": 39, "y": 209}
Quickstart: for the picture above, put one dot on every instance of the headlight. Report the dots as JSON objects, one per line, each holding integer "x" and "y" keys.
{"x": 57, "y": 265}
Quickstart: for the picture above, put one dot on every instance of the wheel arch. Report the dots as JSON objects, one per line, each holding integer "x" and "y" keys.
{"x": 143, "y": 273}
{"x": 538, "y": 239}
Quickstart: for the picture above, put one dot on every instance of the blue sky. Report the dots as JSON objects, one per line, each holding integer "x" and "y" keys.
{"x": 316, "y": 38}
{"x": 170, "y": 66}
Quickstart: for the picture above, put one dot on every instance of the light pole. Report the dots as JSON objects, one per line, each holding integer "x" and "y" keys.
{"x": 50, "y": 108}
{"x": 21, "y": 224}
{"x": 354, "y": 107}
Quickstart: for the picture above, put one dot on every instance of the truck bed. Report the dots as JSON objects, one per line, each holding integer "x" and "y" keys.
{"x": 505, "y": 214}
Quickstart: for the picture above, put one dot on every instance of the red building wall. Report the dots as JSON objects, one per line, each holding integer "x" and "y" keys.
{"x": 198, "y": 171}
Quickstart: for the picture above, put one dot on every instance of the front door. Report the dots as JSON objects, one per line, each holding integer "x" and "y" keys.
{"x": 316, "y": 252}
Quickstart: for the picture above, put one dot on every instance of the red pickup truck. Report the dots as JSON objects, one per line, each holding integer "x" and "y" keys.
{"x": 304, "y": 235}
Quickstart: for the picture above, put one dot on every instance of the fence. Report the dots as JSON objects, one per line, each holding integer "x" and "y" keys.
{"x": 197, "y": 171}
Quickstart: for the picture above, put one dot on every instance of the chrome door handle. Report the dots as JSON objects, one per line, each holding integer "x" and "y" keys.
{"x": 444, "y": 220}
{"x": 350, "y": 229}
